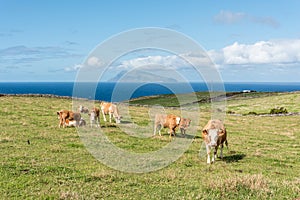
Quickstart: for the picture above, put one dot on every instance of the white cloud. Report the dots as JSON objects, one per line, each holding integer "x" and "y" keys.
{"x": 277, "y": 52}
{"x": 228, "y": 17}
{"x": 94, "y": 61}
{"x": 173, "y": 61}
{"x": 73, "y": 68}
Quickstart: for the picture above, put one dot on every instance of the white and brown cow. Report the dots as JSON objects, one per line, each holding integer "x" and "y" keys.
{"x": 83, "y": 109}
{"x": 74, "y": 123}
{"x": 95, "y": 117}
{"x": 63, "y": 115}
{"x": 110, "y": 109}
{"x": 214, "y": 135}
{"x": 166, "y": 121}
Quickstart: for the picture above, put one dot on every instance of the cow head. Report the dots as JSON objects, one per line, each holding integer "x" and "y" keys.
{"x": 118, "y": 119}
{"x": 185, "y": 123}
{"x": 211, "y": 136}
{"x": 59, "y": 113}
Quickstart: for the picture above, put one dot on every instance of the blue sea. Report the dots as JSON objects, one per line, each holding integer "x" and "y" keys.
{"x": 125, "y": 91}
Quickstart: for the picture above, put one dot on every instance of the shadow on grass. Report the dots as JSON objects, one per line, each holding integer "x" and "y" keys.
{"x": 233, "y": 158}
{"x": 179, "y": 135}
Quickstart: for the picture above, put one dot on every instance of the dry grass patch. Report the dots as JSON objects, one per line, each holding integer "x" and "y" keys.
{"x": 255, "y": 183}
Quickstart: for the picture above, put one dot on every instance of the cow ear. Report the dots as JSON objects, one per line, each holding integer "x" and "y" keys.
{"x": 204, "y": 132}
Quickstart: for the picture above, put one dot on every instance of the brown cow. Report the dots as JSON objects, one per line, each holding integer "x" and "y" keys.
{"x": 214, "y": 135}
{"x": 163, "y": 121}
{"x": 66, "y": 114}
{"x": 110, "y": 109}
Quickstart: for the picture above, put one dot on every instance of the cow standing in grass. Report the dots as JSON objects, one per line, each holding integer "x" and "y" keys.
{"x": 95, "y": 117}
{"x": 184, "y": 124}
{"x": 163, "y": 121}
{"x": 214, "y": 135}
{"x": 73, "y": 123}
{"x": 110, "y": 109}
{"x": 63, "y": 115}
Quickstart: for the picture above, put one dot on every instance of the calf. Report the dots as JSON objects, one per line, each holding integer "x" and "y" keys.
{"x": 184, "y": 124}
{"x": 110, "y": 109}
{"x": 74, "y": 123}
{"x": 214, "y": 135}
{"x": 63, "y": 115}
{"x": 95, "y": 117}
{"x": 83, "y": 109}
{"x": 164, "y": 121}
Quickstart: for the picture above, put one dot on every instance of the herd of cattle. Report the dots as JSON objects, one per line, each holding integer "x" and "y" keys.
{"x": 214, "y": 133}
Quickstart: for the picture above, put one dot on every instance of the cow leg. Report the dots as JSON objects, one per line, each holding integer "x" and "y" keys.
{"x": 98, "y": 121}
{"x": 174, "y": 131}
{"x": 104, "y": 118}
{"x": 64, "y": 122}
{"x": 208, "y": 154}
{"x": 110, "y": 116}
{"x": 221, "y": 151}
{"x": 155, "y": 126}
{"x": 215, "y": 154}
{"x": 60, "y": 123}
{"x": 159, "y": 129}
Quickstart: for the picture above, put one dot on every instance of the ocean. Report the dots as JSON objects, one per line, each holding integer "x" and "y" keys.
{"x": 125, "y": 91}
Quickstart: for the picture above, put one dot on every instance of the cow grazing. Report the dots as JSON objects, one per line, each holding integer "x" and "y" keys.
{"x": 163, "y": 121}
{"x": 214, "y": 135}
{"x": 95, "y": 117}
{"x": 74, "y": 123}
{"x": 110, "y": 109}
{"x": 184, "y": 124}
{"x": 66, "y": 114}
{"x": 83, "y": 109}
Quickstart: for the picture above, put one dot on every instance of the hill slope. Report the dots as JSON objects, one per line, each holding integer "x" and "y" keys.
{"x": 39, "y": 160}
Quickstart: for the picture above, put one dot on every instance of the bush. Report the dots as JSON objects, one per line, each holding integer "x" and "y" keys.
{"x": 252, "y": 113}
{"x": 280, "y": 110}
{"x": 230, "y": 112}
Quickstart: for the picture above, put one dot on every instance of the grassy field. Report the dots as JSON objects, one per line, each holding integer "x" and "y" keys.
{"x": 41, "y": 161}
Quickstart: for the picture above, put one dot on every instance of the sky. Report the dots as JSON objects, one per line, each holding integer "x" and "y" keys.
{"x": 248, "y": 41}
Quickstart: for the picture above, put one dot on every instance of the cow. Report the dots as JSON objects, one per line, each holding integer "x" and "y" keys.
{"x": 95, "y": 117}
{"x": 83, "y": 109}
{"x": 62, "y": 115}
{"x": 163, "y": 121}
{"x": 214, "y": 135}
{"x": 112, "y": 110}
{"x": 73, "y": 123}
{"x": 184, "y": 124}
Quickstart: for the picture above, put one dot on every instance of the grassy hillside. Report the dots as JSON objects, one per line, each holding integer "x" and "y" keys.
{"x": 41, "y": 161}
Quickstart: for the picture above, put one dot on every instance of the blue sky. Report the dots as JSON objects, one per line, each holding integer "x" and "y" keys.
{"x": 247, "y": 40}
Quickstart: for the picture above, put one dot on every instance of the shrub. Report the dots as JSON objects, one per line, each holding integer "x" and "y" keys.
{"x": 252, "y": 113}
{"x": 280, "y": 110}
{"x": 230, "y": 112}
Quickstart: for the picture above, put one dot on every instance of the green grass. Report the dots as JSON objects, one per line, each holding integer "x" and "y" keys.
{"x": 262, "y": 162}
